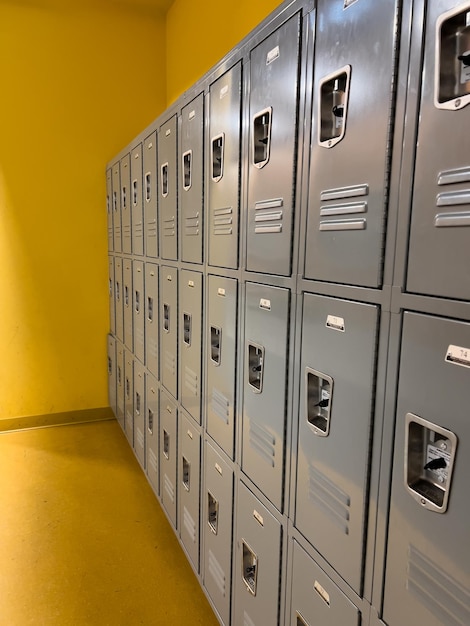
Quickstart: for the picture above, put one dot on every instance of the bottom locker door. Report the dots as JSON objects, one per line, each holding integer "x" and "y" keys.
{"x": 258, "y": 560}
{"x": 120, "y": 384}
{"x": 217, "y": 531}
{"x": 129, "y": 397}
{"x": 152, "y": 431}
{"x": 168, "y": 452}
{"x": 188, "y": 492}
{"x": 315, "y": 599}
{"x": 427, "y": 575}
{"x": 112, "y": 374}
{"x": 139, "y": 412}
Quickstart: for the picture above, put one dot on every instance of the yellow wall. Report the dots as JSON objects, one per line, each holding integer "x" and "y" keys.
{"x": 74, "y": 90}
{"x": 199, "y": 34}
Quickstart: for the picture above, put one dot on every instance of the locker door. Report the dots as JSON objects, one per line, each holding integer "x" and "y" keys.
{"x": 337, "y": 399}
{"x": 112, "y": 374}
{"x": 438, "y": 249}
{"x": 217, "y": 531}
{"x": 274, "y": 79}
{"x": 351, "y": 140}
{"x": 129, "y": 396}
{"x": 223, "y": 163}
{"x": 221, "y": 332}
{"x": 139, "y": 412}
{"x": 427, "y": 572}
{"x": 151, "y": 318}
{"x": 169, "y": 328}
{"x": 126, "y": 204}
{"x": 191, "y": 180}
{"x": 150, "y": 190}
{"x": 112, "y": 296}
{"x": 152, "y": 422}
{"x": 116, "y": 204}
{"x": 168, "y": 458}
{"x": 167, "y": 193}
{"x": 139, "y": 310}
{"x": 119, "y": 297}
{"x": 120, "y": 384}
{"x": 188, "y": 492}
{"x": 265, "y": 388}
{"x": 136, "y": 201}
{"x": 258, "y": 561}
{"x": 109, "y": 208}
{"x": 127, "y": 304}
{"x": 190, "y": 307}
{"x": 315, "y": 598}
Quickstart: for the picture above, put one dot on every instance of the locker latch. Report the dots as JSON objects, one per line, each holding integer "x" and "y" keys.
{"x": 137, "y": 403}
{"x": 186, "y": 474}
{"x": 187, "y": 169}
{"x": 137, "y": 301}
{"x": 110, "y": 365}
{"x": 166, "y": 445}
{"x": 216, "y": 337}
{"x": 166, "y": 318}
{"x": 148, "y": 187}
{"x": 255, "y": 367}
{"x": 262, "y": 124}
{"x": 164, "y": 178}
{"x": 150, "y": 309}
{"x": 319, "y": 389}
{"x": 249, "y": 568}
{"x": 187, "y": 329}
{"x": 333, "y": 102}
{"x": 212, "y": 513}
{"x": 134, "y": 193}
{"x": 300, "y": 620}
{"x": 150, "y": 421}
{"x": 217, "y": 145}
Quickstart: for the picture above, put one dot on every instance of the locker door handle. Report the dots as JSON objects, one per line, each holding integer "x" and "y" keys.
{"x": 186, "y": 474}
{"x": 108, "y": 205}
{"x": 187, "y": 169}
{"x": 119, "y": 375}
{"x": 262, "y": 124}
{"x": 187, "y": 329}
{"x": 150, "y": 309}
{"x": 249, "y": 568}
{"x": 137, "y": 302}
{"x": 110, "y": 287}
{"x": 150, "y": 421}
{"x": 137, "y": 403}
{"x": 217, "y": 146}
{"x": 333, "y": 102}
{"x": 319, "y": 389}
{"x": 118, "y": 291}
{"x": 124, "y": 198}
{"x": 128, "y": 389}
{"x": 166, "y": 445}
{"x": 134, "y": 192}
{"x": 126, "y": 295}
{"x": 114, "y": 201}
{"x": 212, "y": 513}
{"x": 166, "y": 318}
{"x": 465, "y": 58}
{"x": 255, "y": 367}
{"x": 216, "y": 340}
{"x": 164, "y": 170}
{"x": 110, "y": 366}
{"x": 148, "y": 187}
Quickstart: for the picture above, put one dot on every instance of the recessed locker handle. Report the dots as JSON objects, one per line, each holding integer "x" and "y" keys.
{"x": 333, "y": 102}
{"x": 212, "y": 513}
{"x": 186, "y": 474}
{"x": 187, "y": 319}
{"x": 217, "y": 145}
{"x": 118, "y": 291}
{"x": 319, "y": 389}
{"x": 119, "y": 375}
{"x": 148, "y": 187}
{"x": 137, "y": 301}
{"x": 166, "y": 445}
{"x": 216, "y": 339}
{"x": 110, "y": 365}
{"x": 150, "y": 417}
{"x": 465, "y": 58}
{"x": 126, "y": 295}
{"x": 249, "y": 568}
{"x": 166, "y": 318}
{"x": 124, "y": 197}
{"x": 114, "y": 201}
{"x": 255, "y": 367}
{"x": 137, "y": 403}
{"x": 134, "y": 192}
{"x": 150, "y": 309}
{"x": 164, "y": 179}
{"x": 187, "y": 169}
{"x": 262, "y": 125}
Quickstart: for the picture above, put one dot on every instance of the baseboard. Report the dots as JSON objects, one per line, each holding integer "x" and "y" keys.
{"x": 54, "y": 419}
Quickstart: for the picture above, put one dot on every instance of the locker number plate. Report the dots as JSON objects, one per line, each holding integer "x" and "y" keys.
{"x": 336, "y": 323}
{"x": 458, "y": 356}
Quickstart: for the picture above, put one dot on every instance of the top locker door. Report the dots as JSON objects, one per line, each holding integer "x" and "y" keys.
{"x": 274, "y": 79}
{"x": 150, "y": 195}
{"x": 136, "y": 195}
{"x": 126, "y": 204}
{"x": 168, "y": 189}
{"x": 355, "y": 58}
{"x": 439, "y": 254}
{"x": 223, "y": 163}
{"x": 116, "y": 202}
{"x": 109, "y": 209}
{"x": 191, "y": 180}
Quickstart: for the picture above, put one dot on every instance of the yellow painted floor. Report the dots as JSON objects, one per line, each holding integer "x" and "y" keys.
{"x": 83, "y": 539}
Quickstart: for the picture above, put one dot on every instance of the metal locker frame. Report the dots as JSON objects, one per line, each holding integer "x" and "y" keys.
{"x": 127, "y": 303}
{"x": 126, "y": 211}
{"x": 138, "y": 309}
{"x": 112, "y": 374}
{"x": 139, "y": 413}
{"x": 152, "y": 326}
{"x": 168, "y": 458}
{"x": 118, "y": 295}
{"x": 109, "y": 208}
{"x": 150, "y": 195}
{"x": 168, "y": 189}
{"x": 152, "y": 431}
{"x": 120, "y": 385}
{"x": 129, "y": 397}
{"x": 116, "y": 204}
{"x": 136, "y": 199}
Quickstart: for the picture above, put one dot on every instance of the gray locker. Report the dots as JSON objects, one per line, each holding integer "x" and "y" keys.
{"x": 315, "y": 599}
{"x": 168, "y": 189}
{"x": 223, "y": 163}
{"x": 189, "y": 472}
{"x": 190, "y": 308}
{"x": 127, "y": 303}
{"x": 335, "y": 424}
{"x": 258, "y": 563}
{"x": 138, "y": 318}
{"x": 112, "y": 296}
{"x": 169, "y": 328}
{"x": 152, "y": 422}
{"x": 274, "y": 79}
{"x": 137, "y": 209}
{"x": 126, "y": 214}
{"x": 351, "y": 140}
{"x": 221, "y": 355}
{"x": 109, "y": 209}
{"x": 119, "y": 297}
{"x": 217, "y": 503}
{"x": 129, "y": 396}
{"x": 120, "y": 384}
{"x": 427, "y": 576}
{"x": 116, "y": 204}
{"x": 151, "y": 318}
{"x": 112, "y": 374}
{"x": 150, "y": 191}
{"x": 139, "y": 412}
{"x": 168, "y": 455}
{"x": 439, "y": 257}
{"x": 265, "y": 388}
{"x": 191, "y": 180}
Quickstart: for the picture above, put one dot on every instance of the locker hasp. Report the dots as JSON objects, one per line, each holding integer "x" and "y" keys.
{"x": 249, "y": 568}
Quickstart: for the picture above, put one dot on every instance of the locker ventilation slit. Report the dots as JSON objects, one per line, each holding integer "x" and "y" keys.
{"x": 217, "y": 573}
{"x": 461, "y": 197}
{"x": 152, "y": 459}
{"x": 268, "y": 216}
{"x": 168, "y": 486}
{"x": 263, "y": 442}
{"x": 220, "y": 405}
{"x": 328, "y": 497}
{"x": 189, "y": 524}
{"x": 222, "y": 221}
{"x": 349, "y": 209}
{"x": 191, "y": 381}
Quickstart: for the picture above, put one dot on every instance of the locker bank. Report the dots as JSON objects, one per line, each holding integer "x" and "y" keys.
{"x": 285, "y": 308}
